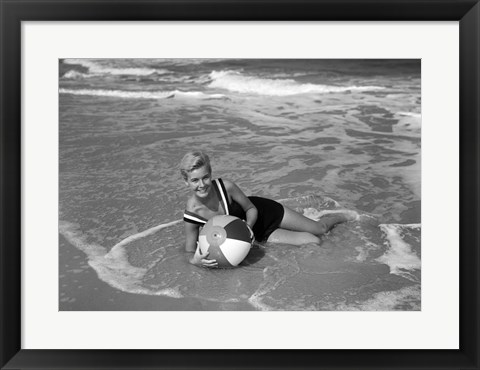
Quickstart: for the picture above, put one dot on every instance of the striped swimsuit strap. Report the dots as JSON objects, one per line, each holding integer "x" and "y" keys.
{"x": 194, "y": 218}
{"x": 219, "y": 187}
{"x": 222, "y": 191}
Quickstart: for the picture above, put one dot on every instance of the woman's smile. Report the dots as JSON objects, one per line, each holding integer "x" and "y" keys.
{"x": 203, "y": 191}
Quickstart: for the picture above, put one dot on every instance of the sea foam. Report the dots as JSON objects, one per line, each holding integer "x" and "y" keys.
{"x": 74, "y": 75}
{"x": 98, "y": 69}
{"x": 238, "y": 82}
{"x": 385, "y": 301}
{"x": 399, "y": 257}
{"x": 113, "y": 267}
{"x": 147, "y": 95}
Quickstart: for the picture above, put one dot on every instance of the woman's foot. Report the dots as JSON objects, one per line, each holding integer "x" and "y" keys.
{"x": 331, "y": 219}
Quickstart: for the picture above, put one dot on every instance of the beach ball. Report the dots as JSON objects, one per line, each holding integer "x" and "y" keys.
{"x": 227, "y": 239}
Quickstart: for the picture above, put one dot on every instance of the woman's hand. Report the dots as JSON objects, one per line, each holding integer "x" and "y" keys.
{"x": 200, "y": 259}
{"x": 252, "y": 235}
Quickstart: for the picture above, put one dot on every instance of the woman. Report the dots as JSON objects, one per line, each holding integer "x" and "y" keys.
{"x": 267, "y": 219}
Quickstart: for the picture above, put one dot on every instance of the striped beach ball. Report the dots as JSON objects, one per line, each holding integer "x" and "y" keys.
{"x": 227, "y": 239}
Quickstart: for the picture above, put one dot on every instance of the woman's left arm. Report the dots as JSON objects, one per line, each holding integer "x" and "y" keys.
{"x": 238, "y": 196}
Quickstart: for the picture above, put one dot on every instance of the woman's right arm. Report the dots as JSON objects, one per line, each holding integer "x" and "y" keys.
{"x": 194, "y": 255}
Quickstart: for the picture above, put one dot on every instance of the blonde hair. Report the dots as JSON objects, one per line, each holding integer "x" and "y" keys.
{"x": 192, "y": 161}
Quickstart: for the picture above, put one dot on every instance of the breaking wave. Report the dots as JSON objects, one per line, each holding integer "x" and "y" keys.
{"x": 238, "y": 82}
{"x": 98, "y": 69}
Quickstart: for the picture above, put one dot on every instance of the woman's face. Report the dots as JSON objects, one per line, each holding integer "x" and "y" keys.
{"x": 200, "y": 181}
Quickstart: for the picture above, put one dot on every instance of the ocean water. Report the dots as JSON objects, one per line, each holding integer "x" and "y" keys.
{"x": 316, "y": 135}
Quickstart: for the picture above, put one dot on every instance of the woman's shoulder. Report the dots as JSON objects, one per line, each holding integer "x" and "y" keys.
{"x": 231, "y": 187}
{"x": 228, "y": 184}
{"x": 191, "y": 205}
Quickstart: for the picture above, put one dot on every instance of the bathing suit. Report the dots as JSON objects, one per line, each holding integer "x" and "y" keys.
{"x": 270, "y": 213}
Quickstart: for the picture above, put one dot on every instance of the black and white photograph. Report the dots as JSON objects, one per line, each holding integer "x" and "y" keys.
{"x": 239, "y": 184}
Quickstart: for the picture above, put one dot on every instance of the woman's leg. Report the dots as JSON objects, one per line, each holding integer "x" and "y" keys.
{"x": 296, "y": 229}
{"x": 292, "y": 237}
{"x": 296, "y": 222}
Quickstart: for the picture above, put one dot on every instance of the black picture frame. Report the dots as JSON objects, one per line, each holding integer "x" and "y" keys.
{"x": 466, "y": 12}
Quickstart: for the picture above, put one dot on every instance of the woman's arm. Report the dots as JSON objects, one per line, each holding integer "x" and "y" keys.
{"x": 191, "y": 237}
{"x": 194, "y": 255}
{"x": 238, "y": 196}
